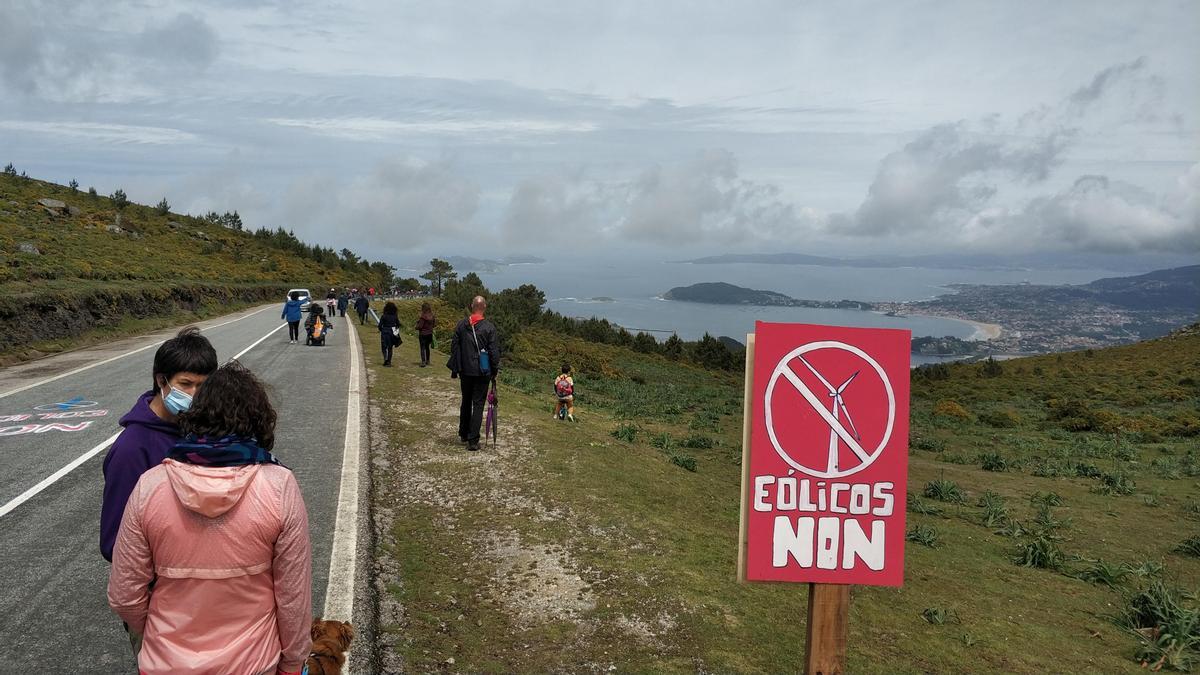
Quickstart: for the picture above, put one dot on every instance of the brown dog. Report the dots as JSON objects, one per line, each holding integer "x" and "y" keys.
{"x": 330, "y": 639}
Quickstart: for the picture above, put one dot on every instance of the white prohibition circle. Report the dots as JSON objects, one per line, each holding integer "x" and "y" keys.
{"x": 887, "y": 385}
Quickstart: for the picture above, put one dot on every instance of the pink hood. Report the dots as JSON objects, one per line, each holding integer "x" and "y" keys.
{"x": 209, "y": 490}
{"x": 213, "y": 567}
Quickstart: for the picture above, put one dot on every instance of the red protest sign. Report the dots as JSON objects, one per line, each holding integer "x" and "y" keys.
{"x": 828, "y": 455}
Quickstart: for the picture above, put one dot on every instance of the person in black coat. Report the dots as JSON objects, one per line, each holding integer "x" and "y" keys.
{"x": 389, "y": 332}
{"x": 343, "y": 302}
{"x": 475, "y": 361}
{"x": 361, "y": 305}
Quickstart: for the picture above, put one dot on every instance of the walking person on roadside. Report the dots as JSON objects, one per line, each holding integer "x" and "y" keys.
{"x": 151, "y": 429}
{"x": 361, "y": 305}
{"x": 425, "y": 325}
{"x": 213, "y": 563}
{"x": 389, "y": 332}
{"x": 475, "y": 361}
{"x": 292, "y": 314}
{"x": 342, "y": 303}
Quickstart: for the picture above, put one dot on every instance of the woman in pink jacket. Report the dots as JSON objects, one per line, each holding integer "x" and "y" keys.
{"x": 213, "y": 564}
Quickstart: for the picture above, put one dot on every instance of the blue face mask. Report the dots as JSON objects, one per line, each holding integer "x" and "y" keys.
{"x": 176, "y": 402}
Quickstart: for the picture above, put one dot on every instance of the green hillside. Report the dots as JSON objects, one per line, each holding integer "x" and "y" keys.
{"x": 89, "y": 270}
{"x": 1054, "y": 514}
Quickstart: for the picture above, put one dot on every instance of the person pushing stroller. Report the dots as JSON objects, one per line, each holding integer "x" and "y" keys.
{"x": 317, "y": 325}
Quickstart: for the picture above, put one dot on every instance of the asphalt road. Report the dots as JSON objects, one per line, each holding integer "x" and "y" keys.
{"x": 54, "y": 614}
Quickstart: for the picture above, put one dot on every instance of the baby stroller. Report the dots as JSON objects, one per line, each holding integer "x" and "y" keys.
{"x": 317, "y": 327}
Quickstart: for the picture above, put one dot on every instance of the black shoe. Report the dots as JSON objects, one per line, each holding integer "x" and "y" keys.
{"x": 473, "y": 447}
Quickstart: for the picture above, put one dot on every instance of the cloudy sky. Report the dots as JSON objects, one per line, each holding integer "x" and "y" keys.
{"x": 404, "y": 129}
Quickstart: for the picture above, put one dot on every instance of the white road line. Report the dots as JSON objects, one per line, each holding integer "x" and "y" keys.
{"x": 114, "y": 358}
{"x": 339, "y": 591}
{"x": 257, "y": 342}
{"x": 54, "y": 477}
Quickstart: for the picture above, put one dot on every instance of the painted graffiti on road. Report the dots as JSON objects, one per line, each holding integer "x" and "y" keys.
{"x": 44, "y": 418}
{"x": 43, "y": 428}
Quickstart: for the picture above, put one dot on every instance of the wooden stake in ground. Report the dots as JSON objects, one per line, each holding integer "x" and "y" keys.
{"x": 828, "y": 625}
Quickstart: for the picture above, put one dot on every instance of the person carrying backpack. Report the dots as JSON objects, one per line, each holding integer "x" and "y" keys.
{"x": 564, "y": 393}
{"x": 475, "y": 361}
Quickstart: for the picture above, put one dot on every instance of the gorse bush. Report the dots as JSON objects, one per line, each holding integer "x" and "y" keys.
{"x": 951, "y": 409}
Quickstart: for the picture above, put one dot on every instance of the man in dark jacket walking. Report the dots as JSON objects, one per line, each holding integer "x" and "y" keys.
{"x": 361, "y": 305}
{"x": 342, "y": 303}
{"x": 475, "y": 361}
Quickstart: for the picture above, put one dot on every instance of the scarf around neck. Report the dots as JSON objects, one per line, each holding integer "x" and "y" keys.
{"x": 224, "y": 451}
{"x": 476, "y": 318}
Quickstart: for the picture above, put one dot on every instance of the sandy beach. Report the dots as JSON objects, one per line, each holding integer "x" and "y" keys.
{"x": 983, "y": 331}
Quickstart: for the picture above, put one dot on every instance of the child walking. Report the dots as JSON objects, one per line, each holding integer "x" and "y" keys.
{"x": 564, "y": 392}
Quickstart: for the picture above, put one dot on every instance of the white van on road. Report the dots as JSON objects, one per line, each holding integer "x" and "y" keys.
{"x": 305, "y": 297}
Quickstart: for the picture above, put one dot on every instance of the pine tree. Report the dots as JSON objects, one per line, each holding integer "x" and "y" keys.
{"x": 10, "y": 170}
{"x": 163, "y": 207}
{"x": 74, "y": 185}
{"x": 119, "y": 199}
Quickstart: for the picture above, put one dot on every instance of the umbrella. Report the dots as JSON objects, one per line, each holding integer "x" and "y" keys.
{"x": 492, "y": 425}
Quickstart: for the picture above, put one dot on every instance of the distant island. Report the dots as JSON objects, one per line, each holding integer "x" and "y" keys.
{"x": 720, "y": 293}
{"x": 1035, "y": 318}
{"x": 468, "y": 264}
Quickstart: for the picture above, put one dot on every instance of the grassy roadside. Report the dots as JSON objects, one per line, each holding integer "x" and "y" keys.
{"x": 593, "y": 547}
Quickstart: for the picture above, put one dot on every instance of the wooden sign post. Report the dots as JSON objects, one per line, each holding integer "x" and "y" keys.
{"x": 824, "y": 469}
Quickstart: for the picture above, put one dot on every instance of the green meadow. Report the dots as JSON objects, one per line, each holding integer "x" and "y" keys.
{"x": 1054, "y": 515}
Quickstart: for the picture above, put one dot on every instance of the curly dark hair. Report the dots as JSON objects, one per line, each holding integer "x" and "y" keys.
{"x": 231, "y": 402}
{"x": 390, "y": 309}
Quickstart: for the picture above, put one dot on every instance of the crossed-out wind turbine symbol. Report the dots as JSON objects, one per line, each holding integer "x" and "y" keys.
{"x": 835, "y": 414}
{"x": 838, "y": 405}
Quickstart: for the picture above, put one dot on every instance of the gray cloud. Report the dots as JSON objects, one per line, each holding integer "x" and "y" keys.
{"x": 184, "y": 40}
{"x": 943, "y": 184}
{"x": 1092, "y": 91}
{"x": 399, "y": 205}
{"x": 701, "y": 200}
{"x": 942, "y": 176}
{"x": 1100, "y": 215}
{"x": 69, "y": 50}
